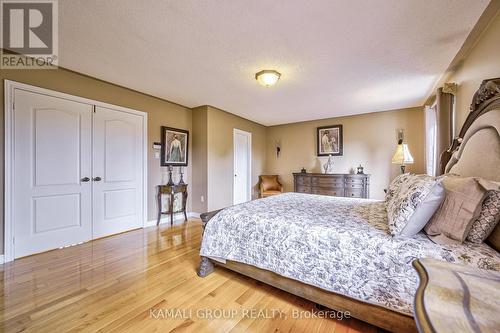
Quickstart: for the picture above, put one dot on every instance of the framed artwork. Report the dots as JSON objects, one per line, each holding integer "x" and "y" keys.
{"x": 330, "y": 141}
{"x": 174, "y": 146}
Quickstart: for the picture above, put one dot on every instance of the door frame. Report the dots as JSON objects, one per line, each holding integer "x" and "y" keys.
{"x": 9, "y": 91}
{"x": 249, "y": 160}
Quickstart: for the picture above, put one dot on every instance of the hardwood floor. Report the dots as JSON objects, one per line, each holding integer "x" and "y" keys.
{"x": 145, "y": 281}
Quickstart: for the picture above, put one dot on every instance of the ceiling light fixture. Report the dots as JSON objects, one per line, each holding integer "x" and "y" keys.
{"x": 267, "y": 77}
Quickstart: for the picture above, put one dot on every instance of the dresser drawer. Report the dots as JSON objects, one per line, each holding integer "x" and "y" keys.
{"x": 355, "y": 180}
{"x": 303, "y": 181}
{"x": 303, "y": 189}
{"x": 354, "y": 193}
{"x": 334, "y": 191}
{"x": 353, "y": 185}
{"x": 328, "y": 182}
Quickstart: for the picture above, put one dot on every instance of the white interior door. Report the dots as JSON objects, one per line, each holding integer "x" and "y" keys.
{"x": 117, "y": 172}
{"x": 242, "y": 166}
{"x": 52, "y": 157}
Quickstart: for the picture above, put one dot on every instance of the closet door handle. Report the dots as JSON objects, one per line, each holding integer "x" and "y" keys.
{"x": 85, "y": 179}
{"x": 97, "y": 179}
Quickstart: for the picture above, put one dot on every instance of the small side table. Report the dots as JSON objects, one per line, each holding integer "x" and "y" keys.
{"x": 456, "y": 298}
{"x": 171, "y": 190}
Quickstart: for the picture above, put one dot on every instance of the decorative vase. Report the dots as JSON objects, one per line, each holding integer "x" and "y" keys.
{"x": 328, "y": 166}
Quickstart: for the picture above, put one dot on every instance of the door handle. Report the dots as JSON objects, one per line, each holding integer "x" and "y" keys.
{"x": 97, "y": 179}
{"x": 85, "y": 179}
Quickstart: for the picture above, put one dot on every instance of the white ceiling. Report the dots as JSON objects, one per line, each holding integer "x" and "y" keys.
{"x": 336, "y": 57}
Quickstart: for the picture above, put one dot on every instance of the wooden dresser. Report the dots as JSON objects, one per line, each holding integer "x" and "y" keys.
{"x": 337, "y": 185}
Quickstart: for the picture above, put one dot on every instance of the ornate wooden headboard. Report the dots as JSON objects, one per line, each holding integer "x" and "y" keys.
{"x": 476, "y": 152}
{"x": 486, "y": 98}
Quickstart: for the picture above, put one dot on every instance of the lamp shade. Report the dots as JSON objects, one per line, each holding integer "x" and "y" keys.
{"x": 402, "y": 155}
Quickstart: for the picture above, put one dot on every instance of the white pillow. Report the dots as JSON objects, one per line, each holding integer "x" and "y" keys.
{"x": 411, "y": 201}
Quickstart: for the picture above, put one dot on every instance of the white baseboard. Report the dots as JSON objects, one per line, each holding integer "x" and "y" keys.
{"x": 2, "y": 258}
{"x": 178, "y": 219}
{"x": 194, "y": 214}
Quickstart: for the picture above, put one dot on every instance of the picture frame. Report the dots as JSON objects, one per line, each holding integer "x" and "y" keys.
{"x": 174, "y": 146}
{"x": 329, "y": 141}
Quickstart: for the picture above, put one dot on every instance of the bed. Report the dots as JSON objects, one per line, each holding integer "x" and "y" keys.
{"x": 344, "y": 257}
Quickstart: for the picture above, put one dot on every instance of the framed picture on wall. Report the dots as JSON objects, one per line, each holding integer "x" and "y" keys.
{"x": 330, "y": 141}
{"x": 174, "y": 146}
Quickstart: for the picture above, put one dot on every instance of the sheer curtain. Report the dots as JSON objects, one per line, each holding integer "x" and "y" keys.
{"x": 431, "y": 158}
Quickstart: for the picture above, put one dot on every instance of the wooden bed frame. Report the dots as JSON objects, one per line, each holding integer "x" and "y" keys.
{"x": 487, "y": 98}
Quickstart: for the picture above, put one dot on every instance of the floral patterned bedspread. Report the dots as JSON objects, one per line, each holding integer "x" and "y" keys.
{"x": 337, "y": 244}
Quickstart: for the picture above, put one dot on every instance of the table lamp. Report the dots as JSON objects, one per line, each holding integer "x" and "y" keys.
{"x": 402, "y": 155}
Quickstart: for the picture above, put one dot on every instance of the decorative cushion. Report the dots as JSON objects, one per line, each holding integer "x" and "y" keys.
{"x": 395, "y": 185}
{"x": 452, "y": 221}
{"x": 411, "y": 201}
{"x": 484, "y": 224}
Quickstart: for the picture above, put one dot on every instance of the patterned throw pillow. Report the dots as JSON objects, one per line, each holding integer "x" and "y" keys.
{"x": 396, "y": 185}
{"x": 411, "y": 201}
{"x": 487, "y": 220}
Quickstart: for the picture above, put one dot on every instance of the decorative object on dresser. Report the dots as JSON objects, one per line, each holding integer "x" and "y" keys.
{"x": 360, "y": 170}
{"x": 171, "y": 190}
{"x": 456, "y": 298}
{"x": 328, "y": 166}
{"x": 329, "y": 141}
{"x": 269, "y": 185}
{"x": 337, "y": 185}
{"x": 174, "y": 146}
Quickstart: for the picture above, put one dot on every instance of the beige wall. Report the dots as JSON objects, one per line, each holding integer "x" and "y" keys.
{"x": 483, "y": 62}
{"x": 200, "y": 159}
{"x": 160, "y": 112}
{"x": 220, "y": 155}
{"x": 369, "y": 140}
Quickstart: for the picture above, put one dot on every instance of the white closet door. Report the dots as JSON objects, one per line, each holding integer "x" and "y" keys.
{"x": 117, "y": 172}
{"x": 242, "y": 162}
{"x": 52, "y": 156}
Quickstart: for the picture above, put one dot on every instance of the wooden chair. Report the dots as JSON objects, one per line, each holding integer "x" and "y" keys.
{"x": 269, "y": 185}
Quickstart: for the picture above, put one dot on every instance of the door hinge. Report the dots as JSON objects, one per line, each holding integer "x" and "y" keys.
{"x": 93, "y": 107}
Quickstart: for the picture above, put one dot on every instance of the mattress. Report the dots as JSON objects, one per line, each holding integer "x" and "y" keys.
{"x": 341, "y": 245}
